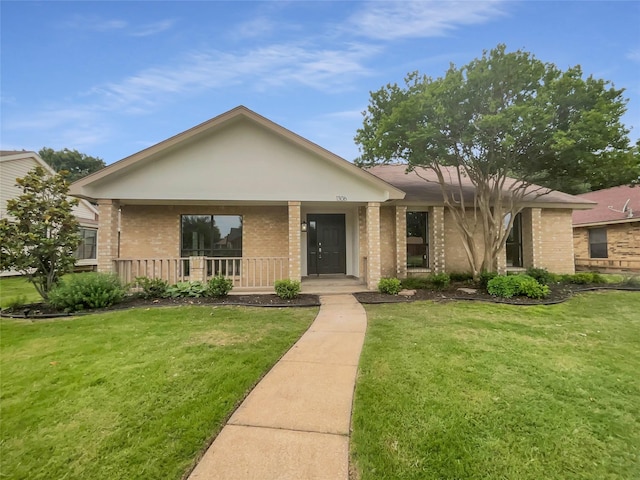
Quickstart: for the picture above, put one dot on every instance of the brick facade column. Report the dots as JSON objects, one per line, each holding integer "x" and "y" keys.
{"x": 295, "y": 267}
{"x": 401, "y": 241}
{"x": 373, "y": 245}
{"x": 197, "y": 269}
{"x": 536, "y": 237}
{"x": 108, "y": 234}
{"x": 436, "y": 240}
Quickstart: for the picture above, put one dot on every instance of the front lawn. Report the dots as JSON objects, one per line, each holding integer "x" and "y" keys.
{"x": 130, "y": 394}
{"x": 471, "y": 390}
{"x": 17, "y": 289}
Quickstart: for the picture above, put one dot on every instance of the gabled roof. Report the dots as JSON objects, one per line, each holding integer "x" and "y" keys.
{"x": 422, "y": 187}
{"x": 17, "y": 155}
{"x": 197, "y": 144}
{"x": 610, "y": 205}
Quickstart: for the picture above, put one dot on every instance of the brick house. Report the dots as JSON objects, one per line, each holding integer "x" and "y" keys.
{"x": 16, "y": 164}
{"x": 242, "y": 196}
{"x": 607, "y": 238}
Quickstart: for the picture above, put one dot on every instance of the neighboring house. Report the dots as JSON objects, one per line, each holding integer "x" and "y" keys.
{"x": 607, "y": 238}
{"x": 16, "y": 164}
{"x": 242, "y": 196}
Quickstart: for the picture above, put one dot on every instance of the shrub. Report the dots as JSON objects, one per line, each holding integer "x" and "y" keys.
{"x": 152, "y": 287}
{"x": 390, "y": 286}
{"x": 187, "y": 289}
{"x": 287, "y": 289}
{"x": 542, "y": 275}
{"x": 461, "y": 276}
{"x": 17, "y": 303}
{"x": 632, "y": 281}
{"x": 440, "y": 280}
{"x": 87, "y": 290}
{"x": 219, "y": 286}
{"x": 507, "y": 286}
{"x": 485, "y": 277}
{"x": 412, "y": 283}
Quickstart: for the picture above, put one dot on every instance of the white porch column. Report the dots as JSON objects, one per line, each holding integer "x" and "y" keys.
{"x": 295, "y": 269}
{"x": 373, "y": 245}
{"x": 107, "y": 234}
{"x": 401, "y": 241}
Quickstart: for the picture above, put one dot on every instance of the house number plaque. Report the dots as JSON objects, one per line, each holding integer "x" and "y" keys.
{"x": 341, "y": 198}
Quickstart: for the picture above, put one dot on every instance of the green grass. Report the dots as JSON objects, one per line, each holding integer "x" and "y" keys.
{"x": 480, "y": 391}
{"x": 132, "y": 394}
{"x": 17, "y": 289}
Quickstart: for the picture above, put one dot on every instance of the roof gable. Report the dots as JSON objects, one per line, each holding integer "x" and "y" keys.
{"x": 238, "y": 156}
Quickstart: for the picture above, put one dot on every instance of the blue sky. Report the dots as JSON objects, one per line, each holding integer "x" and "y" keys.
{"x": 112, "y": 78}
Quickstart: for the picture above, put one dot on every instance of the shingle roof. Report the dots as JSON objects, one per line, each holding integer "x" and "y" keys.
{"x": 616, "y": 198}
{"x": 419, "y": 190}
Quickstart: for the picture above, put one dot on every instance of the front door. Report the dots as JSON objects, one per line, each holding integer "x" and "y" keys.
{"x": 326, "y": 244}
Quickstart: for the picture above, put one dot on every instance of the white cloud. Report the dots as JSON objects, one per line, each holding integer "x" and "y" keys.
{"x": 153, "y": 28}
{"x": 261, "y": 68}
{"x": 634, "y": 55}
{"x": 254, "y": 28}
{"x": 420, "y": 18}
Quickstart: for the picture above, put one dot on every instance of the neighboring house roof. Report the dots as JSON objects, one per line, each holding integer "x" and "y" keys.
{"x": 422, "y": 187}
{"x": 610, "y": 205}
{"x": 16, "y": 164}
{"x": 236, "y": 156}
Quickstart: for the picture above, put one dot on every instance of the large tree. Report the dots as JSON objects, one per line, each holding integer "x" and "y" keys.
{"x": 40, "y": 239}
{"x": 505, "y": 122}
{"x": 77, "y": 164}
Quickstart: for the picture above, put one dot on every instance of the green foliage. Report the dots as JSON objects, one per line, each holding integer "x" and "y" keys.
{"x": 485, "y": 277}
{"x": 219, "y": 286}
{"x": 507, "y": 286}
{"x": 504, "y": 115}
{"x": 461, "y": 276}
{"x": 584, "y": 278}
{"x": 412, "y": 283}
{"x": 390, "y": 286}
{"x": 631, "y": 281}
{"x": 187, "y": 289}
{"x": 287, "y": 289}
{"x": 542, "y": 275}
{"x": 87, "y": 290}
{"x": 77, "y": 164}
{"x": 152, "y": 287}
{"x": 41, "y": 240}
{"x": 440, "y": 281}
{"x": 16, "y": 303}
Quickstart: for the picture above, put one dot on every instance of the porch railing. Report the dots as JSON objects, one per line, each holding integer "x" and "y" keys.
{"x": 246, "y": 272}
{"x": 608, "y": 264}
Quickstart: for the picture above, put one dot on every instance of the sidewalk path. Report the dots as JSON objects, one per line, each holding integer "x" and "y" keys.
{"x": 295, "y": 423}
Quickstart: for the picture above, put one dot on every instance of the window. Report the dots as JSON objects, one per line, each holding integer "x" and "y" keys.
{"x": 598, "y": 243}
{"x": 88, "y": 242}
{"x": 211, "y": 236}
{"x": 513, "y": 243}
{"x": 417, "y": 240}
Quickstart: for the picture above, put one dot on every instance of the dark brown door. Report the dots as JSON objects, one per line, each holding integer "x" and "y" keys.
{"x": 326, "y": 244}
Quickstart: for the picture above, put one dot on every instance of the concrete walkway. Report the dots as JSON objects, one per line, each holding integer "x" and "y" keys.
{"x": 295, "y": 423}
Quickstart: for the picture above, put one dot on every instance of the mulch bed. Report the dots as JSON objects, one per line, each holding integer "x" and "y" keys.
{"x": 559, "y": 293}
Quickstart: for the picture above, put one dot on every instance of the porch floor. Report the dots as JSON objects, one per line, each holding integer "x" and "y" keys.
{"x": 316, "y": 285}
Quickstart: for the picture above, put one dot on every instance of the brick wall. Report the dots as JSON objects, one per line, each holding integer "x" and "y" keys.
{"x": 456, "y": 259}
{"x": 153, "y": 231}
{"x": 623, "y": 241}
{"x": 557, "y": 241}
{"x": 388, "y": 241}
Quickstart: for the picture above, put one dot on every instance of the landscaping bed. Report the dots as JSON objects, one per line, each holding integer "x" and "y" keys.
{"x": 463, "y": 291}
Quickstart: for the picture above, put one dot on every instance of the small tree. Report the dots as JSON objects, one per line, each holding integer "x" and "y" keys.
{"x": 41, "y": 238}
{"x": 77, "y": 164}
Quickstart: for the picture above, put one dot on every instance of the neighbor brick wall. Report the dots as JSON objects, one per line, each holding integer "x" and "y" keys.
{"x": 557, "y": 241}
{"x": 623, "y": 241}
